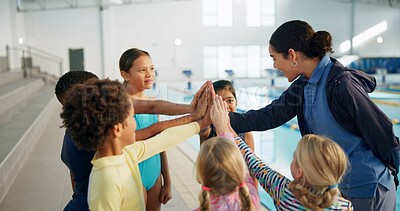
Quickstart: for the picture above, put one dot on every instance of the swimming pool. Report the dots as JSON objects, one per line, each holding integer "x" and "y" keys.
{"x": 276, "y": 146}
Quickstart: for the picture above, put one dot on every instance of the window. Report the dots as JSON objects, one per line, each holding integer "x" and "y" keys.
{"x": 224, "y": 60}
{"x": 210, "y": 65}
{"x": 254, "y": 61}
{"x": 218, "y": 13}
{"x": 266, "y": 60}
{"x": 260, "y": 13}
{"x": 246, "y": 61}
{"x": 239, "y": 61}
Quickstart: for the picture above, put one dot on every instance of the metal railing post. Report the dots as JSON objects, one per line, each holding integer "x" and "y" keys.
{"x": 24, "y": 64}
{"x": 8, "y": 57}
{"x": 61, "y": 69}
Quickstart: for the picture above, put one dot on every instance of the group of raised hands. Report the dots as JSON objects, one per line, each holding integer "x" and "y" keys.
{"x": 210, "y": 108}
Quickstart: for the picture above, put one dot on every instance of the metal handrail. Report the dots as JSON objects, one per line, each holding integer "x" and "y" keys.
{"x": 27, "y": 58}
{"x": 40, "y": 51}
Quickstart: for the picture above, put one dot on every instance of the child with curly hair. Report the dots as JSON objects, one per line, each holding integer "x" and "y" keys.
{"x": 99, "y": 115}
{"x": 78, "y": 160}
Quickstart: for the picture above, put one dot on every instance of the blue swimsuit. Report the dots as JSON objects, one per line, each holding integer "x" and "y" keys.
{"x": 150, "y": 169}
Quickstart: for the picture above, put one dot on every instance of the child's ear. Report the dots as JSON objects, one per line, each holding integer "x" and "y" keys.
{"x": 298, "y": 174}
{"x": 116, "y": 130}
{"x": 124, "y": 75}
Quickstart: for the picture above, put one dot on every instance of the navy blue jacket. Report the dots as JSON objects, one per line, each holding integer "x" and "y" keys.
{"x": 347, "y": 93}
{"x": 79, "y": 163}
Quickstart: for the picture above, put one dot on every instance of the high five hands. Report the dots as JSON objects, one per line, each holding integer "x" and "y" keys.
{"x": 203, "y": 95}
{"x": 203, "y": 99}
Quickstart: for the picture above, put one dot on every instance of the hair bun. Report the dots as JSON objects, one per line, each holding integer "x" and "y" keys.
{"x": 321, "y": 43}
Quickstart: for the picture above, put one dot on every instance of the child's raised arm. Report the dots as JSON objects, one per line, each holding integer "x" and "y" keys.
{"x": 169, "y": 108}
{"x": 266, "y": 176}
{"x": 198, "y": 114}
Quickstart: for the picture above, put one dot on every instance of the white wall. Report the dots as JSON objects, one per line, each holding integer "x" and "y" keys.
{"x": 57, "y": 31}
{"x": 368, "y": 16}
{"x": 154, "y": 27}
{"x": 335, "y": 17}
{"x": 7, "y": 25}
{"x": 331, "y": 16}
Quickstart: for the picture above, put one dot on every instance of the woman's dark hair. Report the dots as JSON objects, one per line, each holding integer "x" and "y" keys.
{"x": 92, "y": 108}
{"x": 129, "y": 56}
{"x": 224, "y": 84}
{"x": 300, "y": 36}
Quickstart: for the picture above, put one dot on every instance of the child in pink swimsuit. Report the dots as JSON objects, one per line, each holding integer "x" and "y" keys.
{"x": 226, "y": 183}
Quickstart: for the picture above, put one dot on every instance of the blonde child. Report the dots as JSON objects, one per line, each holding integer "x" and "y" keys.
{"x": 318, "y": 166}
{"x": 226, "y": 183}
{"x": 227, "y": 92}
{"x": 99, "y": 115}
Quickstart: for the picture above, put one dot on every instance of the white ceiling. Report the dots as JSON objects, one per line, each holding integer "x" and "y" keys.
{"x": 385, "y": 3}
{"x": 34, "y": 5}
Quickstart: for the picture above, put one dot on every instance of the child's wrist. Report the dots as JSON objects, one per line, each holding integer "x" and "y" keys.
{"x": 227, "y": 135}
{"x": 195, "y": 117}
{"x": 191, "y": 109}
{"x": 221, "y": 129}
{"x": 203, "y": 130}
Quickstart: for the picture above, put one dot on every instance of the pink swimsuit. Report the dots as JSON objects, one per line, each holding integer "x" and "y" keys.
{"x": 231, "y": 201}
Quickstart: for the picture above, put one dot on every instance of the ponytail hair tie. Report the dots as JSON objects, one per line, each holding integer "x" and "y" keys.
{"x": 242, "y": 185}
{"x": 333, "y": 186}
{"x": 205, "y": 188}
